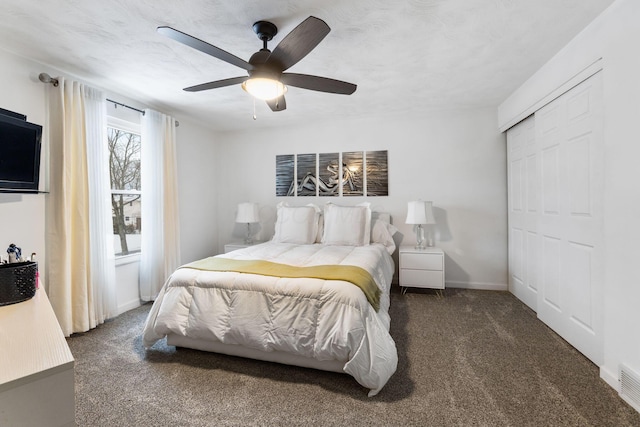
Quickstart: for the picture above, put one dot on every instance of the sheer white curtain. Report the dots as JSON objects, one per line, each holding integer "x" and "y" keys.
{"x": 81, "y": 271}
{"x": 160, "y": 233}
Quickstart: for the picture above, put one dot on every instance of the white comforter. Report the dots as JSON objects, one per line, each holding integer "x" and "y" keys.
{"x": 320, "y": 319}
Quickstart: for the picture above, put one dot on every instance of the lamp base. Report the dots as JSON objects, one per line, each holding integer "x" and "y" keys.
{"x": 420, "y": 240}
{"x": 248, "y": 240}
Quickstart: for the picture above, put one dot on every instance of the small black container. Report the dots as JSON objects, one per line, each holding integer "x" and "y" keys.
{"x": 17, "y": 282}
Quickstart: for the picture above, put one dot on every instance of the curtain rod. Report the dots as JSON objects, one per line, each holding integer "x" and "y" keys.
{"x": 46, "y": 78}
{"x": 116, "y": 103}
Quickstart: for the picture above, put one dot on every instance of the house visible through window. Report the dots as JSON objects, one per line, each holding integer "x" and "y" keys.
{"x": 126, "y": 197}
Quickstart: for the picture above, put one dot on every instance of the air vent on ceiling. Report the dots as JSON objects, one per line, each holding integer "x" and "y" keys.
{"x": 630, "y": 387}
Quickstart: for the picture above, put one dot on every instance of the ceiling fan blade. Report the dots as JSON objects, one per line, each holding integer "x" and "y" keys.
{"x": 278, "y": 104}
{"x": 216, "y": 84}
{"x": 299, "y": 42}
{"x": 205, "y": 47}
{"x": 321, "y": 84}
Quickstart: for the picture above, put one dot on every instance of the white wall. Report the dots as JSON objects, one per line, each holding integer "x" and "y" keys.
{"x": 197, "y": 185}
{"x": 615, "y": 37}
{"x": 22, "y": 217}
{"x": 455, "y": 159}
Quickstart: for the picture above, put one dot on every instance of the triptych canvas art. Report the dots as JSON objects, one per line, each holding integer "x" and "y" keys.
{"x": 353, "y": 173}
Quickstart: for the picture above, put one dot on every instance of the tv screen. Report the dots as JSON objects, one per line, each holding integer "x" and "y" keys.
{"x": 20, "y": 143}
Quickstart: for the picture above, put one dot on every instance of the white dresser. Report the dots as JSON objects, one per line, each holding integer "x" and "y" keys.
{"x": 36, "y": 366}
{"x": 421, "y": 268}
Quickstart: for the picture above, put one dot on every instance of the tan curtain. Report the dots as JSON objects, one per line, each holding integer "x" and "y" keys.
{"x": 80, "y": 267}
{"x": 160, "y": 228}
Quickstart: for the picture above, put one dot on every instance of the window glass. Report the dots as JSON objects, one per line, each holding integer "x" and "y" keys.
{"x": 126, "y": 195}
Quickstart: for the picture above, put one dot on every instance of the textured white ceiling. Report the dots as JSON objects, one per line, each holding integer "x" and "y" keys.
{"x": 405, "y": 56}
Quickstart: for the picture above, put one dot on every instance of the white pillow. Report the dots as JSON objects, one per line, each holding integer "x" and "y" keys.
{"x": 320, "y": 228}
{"x": 382, "y": 232}
{"x": 347, "y": 225}
{"x": 297, "y": 224}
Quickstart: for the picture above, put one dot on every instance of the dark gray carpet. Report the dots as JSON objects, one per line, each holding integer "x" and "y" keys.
{"x": 469, "y": 358}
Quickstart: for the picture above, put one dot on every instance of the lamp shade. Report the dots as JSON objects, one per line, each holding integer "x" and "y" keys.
{"x": 247, "y": 213}
{"x": 420, "y": 212}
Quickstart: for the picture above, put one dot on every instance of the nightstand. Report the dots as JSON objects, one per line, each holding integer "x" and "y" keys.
{"x": 421, "y": 268}
{"x": 238, "y": 245}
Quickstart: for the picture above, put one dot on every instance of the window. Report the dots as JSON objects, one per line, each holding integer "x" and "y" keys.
{"x": 126, "y": 197}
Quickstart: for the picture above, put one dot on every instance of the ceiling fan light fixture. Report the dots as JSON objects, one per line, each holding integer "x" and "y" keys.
{"x": 264, "y": 88}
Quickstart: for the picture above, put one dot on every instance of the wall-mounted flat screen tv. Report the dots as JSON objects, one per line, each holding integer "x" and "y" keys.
{"x": 20, "y": 143}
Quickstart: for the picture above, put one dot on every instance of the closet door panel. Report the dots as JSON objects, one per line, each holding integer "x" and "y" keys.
{"x": 571, "y": 218}
{"x": 532, "y": 187}
{"x": 580, "y": 285}
{"x": 523, "y": 200}
{"x": 579, "y": 176}
{"x": 532, "y": 264}
{"x": 517, "y": 243}
{"x": 551, "y": 180}
{"x": 551, "y": 286}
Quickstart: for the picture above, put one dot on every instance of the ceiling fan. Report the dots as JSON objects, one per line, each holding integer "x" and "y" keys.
{"x": 266, "y": 78}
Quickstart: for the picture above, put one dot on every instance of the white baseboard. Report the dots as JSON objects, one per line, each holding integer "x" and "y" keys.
{"x": 478, "y": 285}
{"x": 130, "y": 305}
{"x": 610, "y": 378}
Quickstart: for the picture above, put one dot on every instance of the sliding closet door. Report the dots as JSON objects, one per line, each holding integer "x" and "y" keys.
{"x": 571, "y": 163}
{"x": 523, "y": 210}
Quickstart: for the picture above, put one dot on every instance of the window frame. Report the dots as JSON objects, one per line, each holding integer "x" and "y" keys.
{"x": 135, "y": 128}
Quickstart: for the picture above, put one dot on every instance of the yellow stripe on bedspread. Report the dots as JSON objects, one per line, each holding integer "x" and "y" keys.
{"x": 349, "y": 273}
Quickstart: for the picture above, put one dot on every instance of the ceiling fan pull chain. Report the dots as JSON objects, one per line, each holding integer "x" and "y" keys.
{"x": 254, "y": 109}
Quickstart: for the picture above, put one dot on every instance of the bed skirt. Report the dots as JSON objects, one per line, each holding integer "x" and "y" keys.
{"x": 251, "y": 353}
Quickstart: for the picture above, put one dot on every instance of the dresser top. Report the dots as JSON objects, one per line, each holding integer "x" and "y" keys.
{"x": 31, "y": 341}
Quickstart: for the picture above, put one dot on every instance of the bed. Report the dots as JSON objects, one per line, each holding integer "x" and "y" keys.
{"x": 292, "y": 300}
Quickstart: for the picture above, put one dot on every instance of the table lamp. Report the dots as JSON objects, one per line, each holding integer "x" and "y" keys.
{"x": 248, "y": 214}
{"x": 420, "y": 213}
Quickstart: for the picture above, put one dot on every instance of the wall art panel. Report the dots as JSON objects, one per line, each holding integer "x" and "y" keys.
{"x": 377, "y": 176}
{"x": 306, "y": 174}
{"x": 285, "y": 165}
{"x": 329, "y": 174}
{"x": 352, "y": 177}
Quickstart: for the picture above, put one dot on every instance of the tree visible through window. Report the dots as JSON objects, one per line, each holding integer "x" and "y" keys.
{"x": 126, "y": 197}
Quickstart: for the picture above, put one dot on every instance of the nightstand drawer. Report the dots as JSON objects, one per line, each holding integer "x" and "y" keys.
{"x": 422, "y": 278}
{"x": 232, "y": 247}
{"x": 239, "y": 245}
{"x": 424, "y": 261}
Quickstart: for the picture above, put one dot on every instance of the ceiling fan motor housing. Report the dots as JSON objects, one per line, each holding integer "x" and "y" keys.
{"x": 261, "y": 69}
